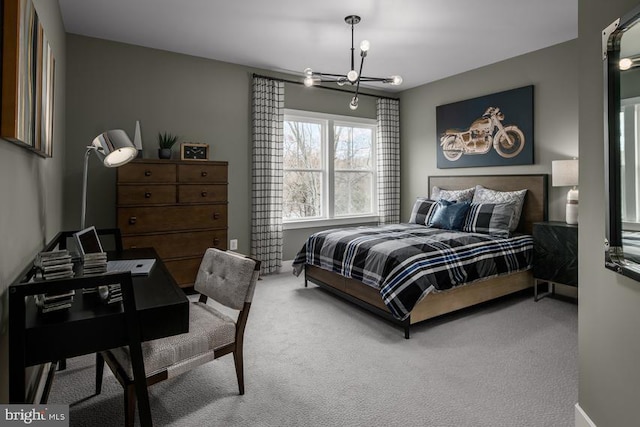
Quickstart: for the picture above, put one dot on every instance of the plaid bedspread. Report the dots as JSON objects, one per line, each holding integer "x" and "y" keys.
{"x": 408, "y": 261}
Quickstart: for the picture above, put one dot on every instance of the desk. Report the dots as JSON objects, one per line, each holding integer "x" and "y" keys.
{"x": 159, "y": 308}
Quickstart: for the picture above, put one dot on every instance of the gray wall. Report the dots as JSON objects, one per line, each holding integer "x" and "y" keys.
{"x": 553, "y": 72}
{"x": 609, "y": 308}
{"x": 111, "y": 85}
{"x": 31, "y": 188}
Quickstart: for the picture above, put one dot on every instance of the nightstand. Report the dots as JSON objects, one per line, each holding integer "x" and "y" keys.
{"x": 555, "y": 258}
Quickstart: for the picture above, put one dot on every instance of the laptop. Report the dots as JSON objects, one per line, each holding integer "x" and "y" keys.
{"x": 137, "y": 267}
{"x": 88, "y": 242}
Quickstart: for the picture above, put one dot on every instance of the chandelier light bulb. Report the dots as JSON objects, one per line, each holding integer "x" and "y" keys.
{"x": 352, "y": 76}
{"x": 625, "y": 64}
{"x": 308, "y": 72}
{"x": 364, "y": 45}
{"x": 354, "y": 103}
{"x": 308, "y": 81}
{"x": 396, "y": 80}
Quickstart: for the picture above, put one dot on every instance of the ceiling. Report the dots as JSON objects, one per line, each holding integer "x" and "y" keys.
{"x": 421, "y": 40}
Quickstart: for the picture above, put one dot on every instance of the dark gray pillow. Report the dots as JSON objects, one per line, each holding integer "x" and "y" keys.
{"x": 489, "y": 218}
{"x": 423, "y": 210}
{"x": 487, "y": 195}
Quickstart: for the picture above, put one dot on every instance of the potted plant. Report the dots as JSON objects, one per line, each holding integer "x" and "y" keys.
{"x": 166, "y": 142}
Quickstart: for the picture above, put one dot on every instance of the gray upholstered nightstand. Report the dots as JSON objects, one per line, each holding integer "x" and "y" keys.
{"x": 555, "y": 257}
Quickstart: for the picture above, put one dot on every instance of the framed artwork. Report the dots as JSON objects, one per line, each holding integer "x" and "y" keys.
{"x": 28, "y": 73}
{"x": 491, "y": 130}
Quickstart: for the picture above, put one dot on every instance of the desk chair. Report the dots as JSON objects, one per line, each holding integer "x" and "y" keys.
{"x": 225, "y": 277}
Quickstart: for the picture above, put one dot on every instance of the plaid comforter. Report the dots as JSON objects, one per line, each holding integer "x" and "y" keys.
{"x": 408, "y": 261}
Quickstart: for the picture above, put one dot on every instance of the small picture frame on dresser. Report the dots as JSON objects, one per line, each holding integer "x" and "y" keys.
{"x": 194, "y": 151}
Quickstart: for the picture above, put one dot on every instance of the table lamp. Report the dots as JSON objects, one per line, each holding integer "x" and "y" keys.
{"x": 565, "y": 174}
{"x": 115, "y": 149}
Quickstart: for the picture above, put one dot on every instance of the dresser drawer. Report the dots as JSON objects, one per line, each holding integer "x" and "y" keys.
{"x": 202, "y": 193}
{"x": 147, "y": 172}
{"x": 150, "y": 219}
{"x": 202, "y": 173}
{"x": 176, "y": 245}
{"x": 184, "y": 271}
{"x": 146, "y": 194}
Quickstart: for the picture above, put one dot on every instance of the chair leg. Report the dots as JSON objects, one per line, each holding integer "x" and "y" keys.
{"x": 99, "y": 372}
{"x": 237, "y": 358}
{"x": 129, "y": 405}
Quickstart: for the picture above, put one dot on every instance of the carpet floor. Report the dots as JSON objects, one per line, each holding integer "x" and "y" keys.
{"x": 312, "y": 359}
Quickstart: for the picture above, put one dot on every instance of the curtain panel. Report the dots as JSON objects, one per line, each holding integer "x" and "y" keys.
{"x": 266, "y": 191}
{"x": 388, "y": 140}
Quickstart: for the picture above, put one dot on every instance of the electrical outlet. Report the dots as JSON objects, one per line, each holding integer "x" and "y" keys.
{"x": 233, "y": 244}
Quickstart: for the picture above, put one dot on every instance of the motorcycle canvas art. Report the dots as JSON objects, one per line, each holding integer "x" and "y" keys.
{"x": 492, "y": 130}
{"x": 485, "y": 132}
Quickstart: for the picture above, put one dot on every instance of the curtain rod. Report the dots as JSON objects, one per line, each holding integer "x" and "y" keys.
{"x": 322, "y": 87}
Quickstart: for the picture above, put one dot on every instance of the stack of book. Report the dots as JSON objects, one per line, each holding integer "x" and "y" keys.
{"x": 55, "y": 264}
{"x": 95, "y": 263}
{"x": 54, "y": 302}
{"x": 114, "y": 294}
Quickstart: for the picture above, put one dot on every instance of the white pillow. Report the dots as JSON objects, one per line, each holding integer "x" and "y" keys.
{"x": 438, "y": 193}
{"x": 487, "y": 195}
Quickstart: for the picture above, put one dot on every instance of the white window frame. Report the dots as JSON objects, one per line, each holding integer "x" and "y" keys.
{"x": 329, "y": 121}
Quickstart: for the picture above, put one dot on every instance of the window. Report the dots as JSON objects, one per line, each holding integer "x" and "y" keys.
{"x": 322, "y": 180}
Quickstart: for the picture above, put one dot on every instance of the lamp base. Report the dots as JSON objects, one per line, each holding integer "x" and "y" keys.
{"x": 572, "y": 207}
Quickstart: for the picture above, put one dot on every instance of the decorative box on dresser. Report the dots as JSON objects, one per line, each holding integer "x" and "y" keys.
{"x": 177, "y": 207}
{"x": 555, "y": 258}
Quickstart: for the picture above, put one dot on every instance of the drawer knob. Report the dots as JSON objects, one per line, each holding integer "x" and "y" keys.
{"x": 216, "y": 242}
{"x": 147, "y": 195}
{"x": 203, "y": 194}
{"x": 147, "y": 173}
{"x": 203, "y": 173}
{"x": 132, "y": 220}
{"x": 216, "y": 215}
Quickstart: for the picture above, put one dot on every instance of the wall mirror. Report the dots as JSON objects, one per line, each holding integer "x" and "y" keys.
{"x": 621, "y": 55}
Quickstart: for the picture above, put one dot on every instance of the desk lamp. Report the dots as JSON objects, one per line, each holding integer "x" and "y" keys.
{"x": 565, "y": 174}
{"x": 115, "y": 149}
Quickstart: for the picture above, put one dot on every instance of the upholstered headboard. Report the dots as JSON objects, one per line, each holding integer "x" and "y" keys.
{"x": 535, "y": 207}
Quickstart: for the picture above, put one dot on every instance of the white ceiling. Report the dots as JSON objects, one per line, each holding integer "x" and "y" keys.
{"x": 422, "y": 40}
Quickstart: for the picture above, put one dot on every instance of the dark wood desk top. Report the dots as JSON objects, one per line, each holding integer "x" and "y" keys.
{"x": 90, "y": 325}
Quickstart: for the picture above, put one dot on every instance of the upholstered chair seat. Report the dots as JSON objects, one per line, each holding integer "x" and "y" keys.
{"x": 209, "y": 330}
{"x": 230, "y": 280}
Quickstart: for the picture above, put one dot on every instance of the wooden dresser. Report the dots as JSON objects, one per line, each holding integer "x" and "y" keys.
{"x": 177, "y": 207}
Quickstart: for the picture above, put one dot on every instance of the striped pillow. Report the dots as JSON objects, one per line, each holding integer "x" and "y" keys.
{"x": 489, "y": 218}
{"x": 487, "y": 195}
{"x": 423, "y": 210}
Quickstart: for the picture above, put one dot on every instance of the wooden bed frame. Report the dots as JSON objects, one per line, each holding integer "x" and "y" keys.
{"x": 438, "y": 303}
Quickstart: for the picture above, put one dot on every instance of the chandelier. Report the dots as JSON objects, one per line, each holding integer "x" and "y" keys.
{"x": 353, "y": 77}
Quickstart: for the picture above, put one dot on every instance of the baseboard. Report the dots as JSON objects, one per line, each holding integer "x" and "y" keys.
{"x": 582, "y": 419}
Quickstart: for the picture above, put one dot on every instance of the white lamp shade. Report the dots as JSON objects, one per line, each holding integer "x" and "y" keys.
{"x": 564, "y": 173}
{"x": 114, "y": 148}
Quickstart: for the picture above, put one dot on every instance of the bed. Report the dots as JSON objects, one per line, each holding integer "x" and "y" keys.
{"x": 387, "y": 302}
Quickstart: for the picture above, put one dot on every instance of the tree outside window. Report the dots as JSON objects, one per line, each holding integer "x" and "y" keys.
{"x": 316, "y": 188}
